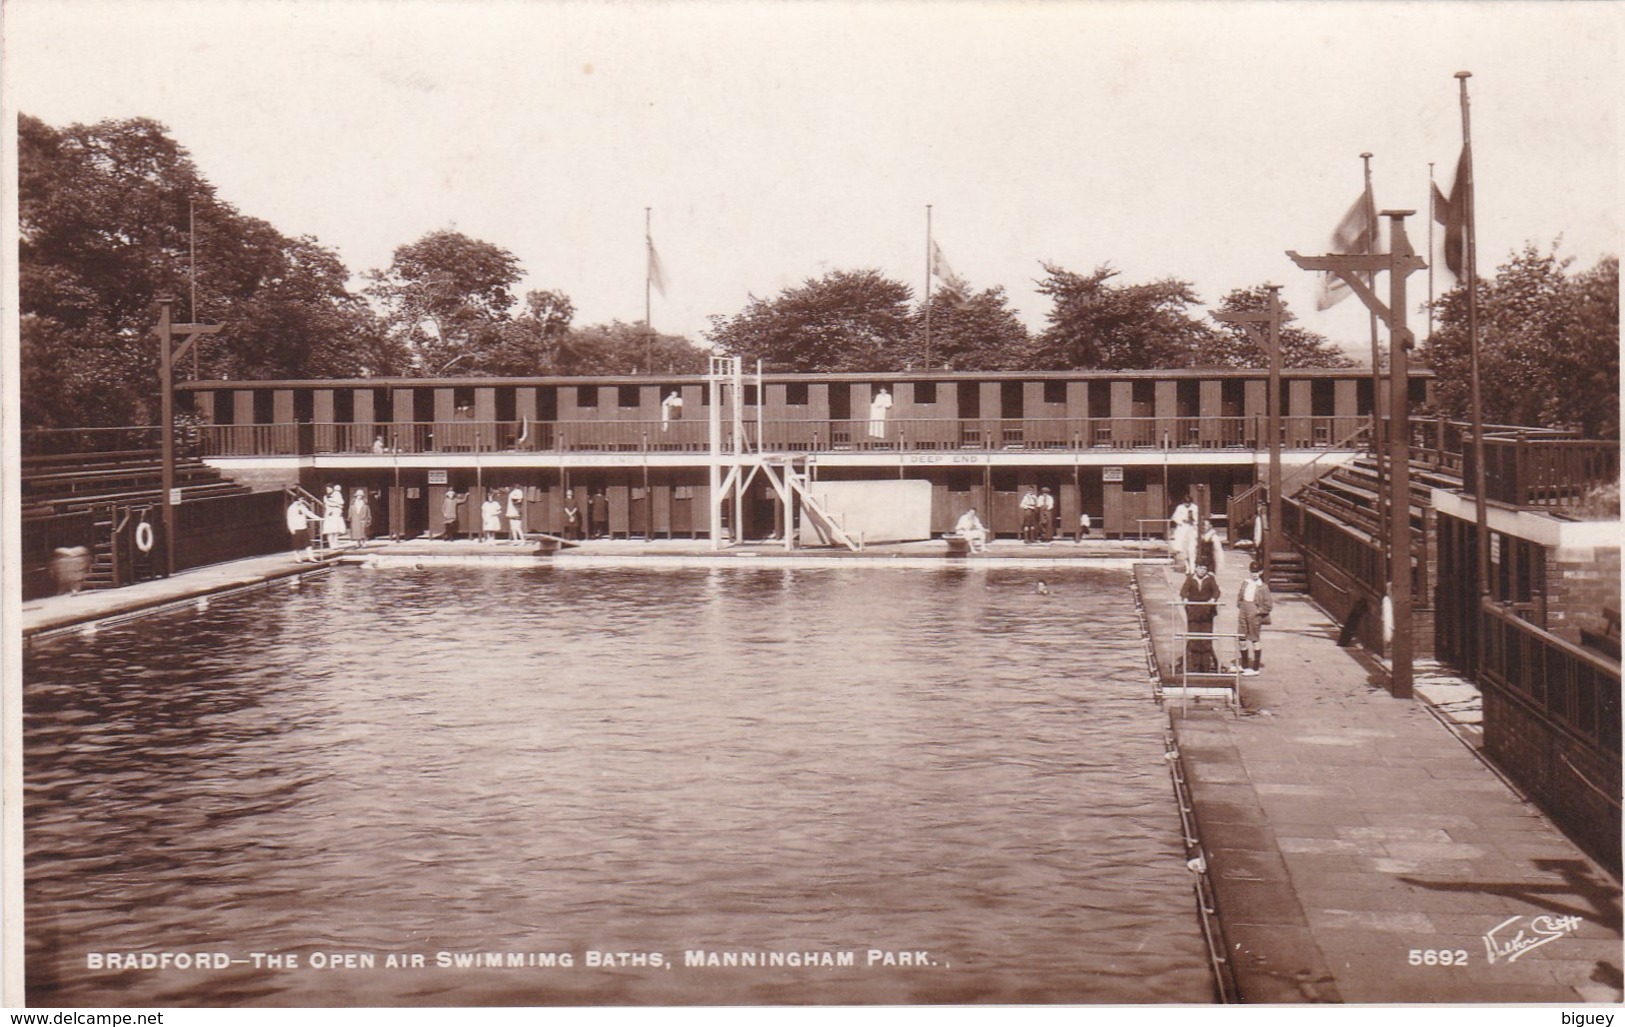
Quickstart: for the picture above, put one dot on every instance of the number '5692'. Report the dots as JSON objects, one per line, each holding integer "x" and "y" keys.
{"x": 1438, "y": 957}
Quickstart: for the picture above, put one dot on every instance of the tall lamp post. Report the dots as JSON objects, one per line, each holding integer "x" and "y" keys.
{"x": 168, "y": 354}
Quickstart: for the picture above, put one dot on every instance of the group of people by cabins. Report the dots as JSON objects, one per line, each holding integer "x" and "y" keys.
{"x": 334, "y": 523}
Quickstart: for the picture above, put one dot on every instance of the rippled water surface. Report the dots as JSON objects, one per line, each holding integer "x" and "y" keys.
{"x": 556, "y": 762}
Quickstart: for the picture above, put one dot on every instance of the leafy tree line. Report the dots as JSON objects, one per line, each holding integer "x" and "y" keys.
{"x": 862, "y": 320}
{"x": 105, "y": 211}
{"x": 106, "y": 216}
{"x": 1548, "y": 345}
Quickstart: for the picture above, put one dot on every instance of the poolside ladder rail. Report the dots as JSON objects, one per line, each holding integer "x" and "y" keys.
{"x": 824, "y": 521}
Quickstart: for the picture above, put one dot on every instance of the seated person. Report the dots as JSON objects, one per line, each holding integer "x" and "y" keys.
{"x": 971, "y": 529}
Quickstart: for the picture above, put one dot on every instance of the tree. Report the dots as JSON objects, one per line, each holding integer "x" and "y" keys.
{"x": 1548, "y": 345}
{"x": 531, "y": 343}
{"x": 975, "y": 332}
{"x": 446, "y": 298}
{"x": 105, "y": 223}
{"x": 1233, "y": 347}
{"x": 845, "y": 321}
{"x": 621, "y": 348}
{"x": 1095, "y": 324}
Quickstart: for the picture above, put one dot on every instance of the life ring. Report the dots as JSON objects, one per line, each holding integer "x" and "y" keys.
{"x": 143, "y": 537}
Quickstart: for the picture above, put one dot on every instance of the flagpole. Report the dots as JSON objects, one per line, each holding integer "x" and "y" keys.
{"x": 648, "y": 273}
{"x": 928, "y": 286}
{"x": 1470, "y": 243}
{"x": 1433, "y": 215}
{"x": 1384, "y": 495}
{"x": 191, "y": 265}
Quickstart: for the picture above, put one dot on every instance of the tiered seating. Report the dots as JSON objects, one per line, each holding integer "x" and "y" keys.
{"x": 81, "y": 481}
{"x": 59, "y": 490}
{"x": 1349, "y": 495}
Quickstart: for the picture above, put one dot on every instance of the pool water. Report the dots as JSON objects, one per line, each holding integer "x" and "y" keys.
{"x": 322, "y": 787}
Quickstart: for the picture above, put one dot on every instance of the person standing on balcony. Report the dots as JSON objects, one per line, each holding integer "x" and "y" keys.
{"x": 1253, "y": 603}
{"x": 878, "y": 409}
{"x": 671, "y": 409}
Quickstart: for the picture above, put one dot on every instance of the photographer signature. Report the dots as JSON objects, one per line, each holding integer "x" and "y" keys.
{"x": 1506, "y": 942}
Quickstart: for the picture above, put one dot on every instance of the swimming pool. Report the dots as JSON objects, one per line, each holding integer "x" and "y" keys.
{"x": 370, "y": 788}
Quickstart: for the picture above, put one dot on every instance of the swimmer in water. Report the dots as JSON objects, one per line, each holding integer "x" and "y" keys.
{"x": 1043, "y": 589}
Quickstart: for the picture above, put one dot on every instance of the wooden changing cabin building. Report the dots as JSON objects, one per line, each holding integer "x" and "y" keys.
{"x": 1121, "y": 446}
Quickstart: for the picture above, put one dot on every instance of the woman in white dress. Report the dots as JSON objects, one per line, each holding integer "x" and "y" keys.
{"x": 333, "y": 516}
{"x": 490, "y": 517}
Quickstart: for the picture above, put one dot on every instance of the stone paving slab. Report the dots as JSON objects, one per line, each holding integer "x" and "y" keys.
{"x": 1392, "y": 834}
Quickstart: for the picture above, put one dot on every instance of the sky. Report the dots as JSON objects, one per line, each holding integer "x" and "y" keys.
{"x": 776, "y": 142}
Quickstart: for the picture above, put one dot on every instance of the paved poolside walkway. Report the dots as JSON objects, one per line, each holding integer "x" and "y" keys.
{"x": 1344, "y": 830}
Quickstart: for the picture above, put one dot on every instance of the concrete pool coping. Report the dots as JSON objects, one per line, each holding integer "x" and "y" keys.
{"x": 53, "y": 614}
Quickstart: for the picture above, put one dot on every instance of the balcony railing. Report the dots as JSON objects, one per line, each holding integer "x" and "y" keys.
{"x": 1534, "y": 471}
{"x": 856, "y": 435}
{"x": 1578, "y": 689}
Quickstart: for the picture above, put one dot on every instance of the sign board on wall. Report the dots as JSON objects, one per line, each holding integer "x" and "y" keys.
{"x": 1111, "y": 474}
{"x": 437, "y": 477}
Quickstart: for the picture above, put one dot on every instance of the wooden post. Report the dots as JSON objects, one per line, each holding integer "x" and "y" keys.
{"x": 1399, "y": 262}
{"x": 168, "y": 354}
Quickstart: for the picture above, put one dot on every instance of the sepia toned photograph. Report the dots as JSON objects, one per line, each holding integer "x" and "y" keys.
{"x": 740, "y": 504}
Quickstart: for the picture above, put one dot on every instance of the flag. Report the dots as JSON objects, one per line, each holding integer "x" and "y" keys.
{"x": 1451, "y": 212}
{"x": 940, "y": 268}
{"x": 1356, "y": 233}
{"x": 657, "y": 274}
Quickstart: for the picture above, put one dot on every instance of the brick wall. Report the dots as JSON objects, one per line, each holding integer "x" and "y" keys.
{"x": 1566, "y": 777}
{"x": 1580, "y": 581}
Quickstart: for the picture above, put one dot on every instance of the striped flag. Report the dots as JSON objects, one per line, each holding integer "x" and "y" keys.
{"x": 1356, "y": 233}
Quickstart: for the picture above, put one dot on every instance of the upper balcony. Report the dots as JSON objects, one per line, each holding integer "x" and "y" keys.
{"x": 1535, "y": 469}
{"x": 692, "y": 436}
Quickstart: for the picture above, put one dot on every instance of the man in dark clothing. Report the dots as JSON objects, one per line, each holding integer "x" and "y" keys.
{"x": 598, "y": 508}
{"x": 1201, "y": 596}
